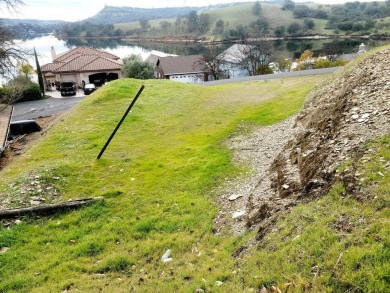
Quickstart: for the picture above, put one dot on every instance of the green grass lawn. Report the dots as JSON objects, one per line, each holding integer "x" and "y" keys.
{"x": 157, "y": 178}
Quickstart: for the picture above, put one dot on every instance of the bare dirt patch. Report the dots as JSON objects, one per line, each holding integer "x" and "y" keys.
{"x": 23, "y": 142}
{"x": 297, "y": 160}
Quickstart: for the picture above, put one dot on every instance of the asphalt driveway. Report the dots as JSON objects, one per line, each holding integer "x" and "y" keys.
{"x": 47, "y": 107}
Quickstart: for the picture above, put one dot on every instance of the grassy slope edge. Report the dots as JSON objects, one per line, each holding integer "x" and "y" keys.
{"x": 156, "y": 177}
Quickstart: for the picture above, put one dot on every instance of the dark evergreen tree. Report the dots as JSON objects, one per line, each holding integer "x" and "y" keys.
{"x": 39, "y": 73}
{"x": 256, "y": 8}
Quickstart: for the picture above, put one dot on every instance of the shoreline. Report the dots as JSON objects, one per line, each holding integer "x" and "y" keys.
{"x": 204, "y": 41}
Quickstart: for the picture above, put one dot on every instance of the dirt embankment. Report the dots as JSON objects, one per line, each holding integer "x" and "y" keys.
{"x": 23, "y": 142}
{"x": 335, "y": 122}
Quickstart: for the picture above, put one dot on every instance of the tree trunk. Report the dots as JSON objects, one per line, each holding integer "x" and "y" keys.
{"x": 47, "y": 208}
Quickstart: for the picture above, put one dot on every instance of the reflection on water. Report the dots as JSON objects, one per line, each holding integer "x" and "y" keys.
{"x": 285, "y": 48}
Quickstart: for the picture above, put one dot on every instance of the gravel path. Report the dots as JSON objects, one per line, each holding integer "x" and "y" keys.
{"x": 257, "y": 151}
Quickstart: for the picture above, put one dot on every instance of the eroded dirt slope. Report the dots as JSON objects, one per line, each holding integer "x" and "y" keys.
{"x": 292, "y": 164}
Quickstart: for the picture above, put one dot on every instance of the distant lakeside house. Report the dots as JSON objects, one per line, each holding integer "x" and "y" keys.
{"x": 82, "y": 65}
{"x": 180, "y": 68}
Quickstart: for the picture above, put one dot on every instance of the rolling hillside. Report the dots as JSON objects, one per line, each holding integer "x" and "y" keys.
{"x": 165, "y": 180}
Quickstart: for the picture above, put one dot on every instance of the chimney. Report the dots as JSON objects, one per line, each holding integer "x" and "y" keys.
{"x": 53, "y": 53}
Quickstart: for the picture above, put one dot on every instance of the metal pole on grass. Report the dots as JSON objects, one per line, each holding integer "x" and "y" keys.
{"x": 120, "y": 122}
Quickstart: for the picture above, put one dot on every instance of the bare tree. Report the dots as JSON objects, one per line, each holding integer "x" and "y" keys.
{"x": 11, "y": 5}
{"x": 10, "y": 56}
{"x": 332, "y": 50}
{"x": 10, "y": 52}
{"x": 255, "y": 57}
{"x": 212, "y": 60}
{"x": 11, "y": 95}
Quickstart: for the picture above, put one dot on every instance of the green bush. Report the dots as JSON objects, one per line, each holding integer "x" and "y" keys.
{"x": 31, "y": 93}
{"x": 325, "y": 63}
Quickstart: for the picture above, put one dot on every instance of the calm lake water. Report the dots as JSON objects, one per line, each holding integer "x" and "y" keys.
{"x": 291, "y": 49}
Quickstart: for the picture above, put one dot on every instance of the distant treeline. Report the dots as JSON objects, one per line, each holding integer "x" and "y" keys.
{"x": 351, "y": 16}
{"x": 191, "y": 22}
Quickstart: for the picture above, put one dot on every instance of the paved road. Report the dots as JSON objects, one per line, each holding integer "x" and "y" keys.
{"x": 273, "y": 76}
{"x": 52, "y": 105}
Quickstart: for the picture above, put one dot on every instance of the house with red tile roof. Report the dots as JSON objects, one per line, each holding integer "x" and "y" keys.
{"x": 182, "y": 68}
{"x": 82, "y": 65}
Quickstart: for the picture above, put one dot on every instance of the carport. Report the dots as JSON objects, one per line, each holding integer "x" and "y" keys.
{"x": 100, "y": 78}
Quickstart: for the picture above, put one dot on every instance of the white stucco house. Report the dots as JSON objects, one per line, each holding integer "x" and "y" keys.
{"x": 82, "y": 65}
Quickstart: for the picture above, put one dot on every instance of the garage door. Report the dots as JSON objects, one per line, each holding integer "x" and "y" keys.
{"x": 68, "y": 77}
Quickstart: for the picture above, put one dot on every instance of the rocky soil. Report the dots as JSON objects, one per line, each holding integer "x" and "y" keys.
{"x": 297, "y": 159}
{"x": 35, "y": 189}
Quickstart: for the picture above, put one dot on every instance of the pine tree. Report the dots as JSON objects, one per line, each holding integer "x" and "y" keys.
{"x": 39, "y": 73}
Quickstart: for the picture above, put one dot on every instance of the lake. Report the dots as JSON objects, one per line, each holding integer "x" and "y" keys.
{"x": 287, "y": 48}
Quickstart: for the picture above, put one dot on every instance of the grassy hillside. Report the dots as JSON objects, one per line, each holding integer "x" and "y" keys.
{"x": 156, "y": 177}
{"x": 242, "y": 15}
{"x": 339, "y": 20}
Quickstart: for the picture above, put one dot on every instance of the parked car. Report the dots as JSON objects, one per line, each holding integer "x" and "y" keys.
{"x": 68, "y": 88}
{"x": 89, "y": 88}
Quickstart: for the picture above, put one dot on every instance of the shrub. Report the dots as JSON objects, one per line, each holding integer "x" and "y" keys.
{"x": 31, "y": 93}
{"x": 325, "y": 63}
{"x": 264, "y": 69}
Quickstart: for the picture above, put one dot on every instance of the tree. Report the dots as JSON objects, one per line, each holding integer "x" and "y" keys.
{"x": 10, "y": 52}
{"x": 308, "y": 24}
{"x": 305, "y": 61}
{"x": 10, "y": 55}
{"x": 219, "y": 27}
{"x": 192, "y": 21}
{"x": 39, "y": 73}
{"x": 144, "y": 23}
{"x": 280, "y": 30}
{"x": 256, "y": 8}
{"x": 260, "y": 26}
{"x": 203, "y": 22}
{"x": 288, "y": 5}
{"x": 212, "y": 60}
{"x": 301, "y": 11}
{"x": 165, "y": 25}
{"x": 134, "y": 67}
{"x": 332, "y": 50}
{"x": 255, "y": 57}
{"x": 283, "y": 63}
{"x": 25, "y": 69}
{"x": 294, "y": 28}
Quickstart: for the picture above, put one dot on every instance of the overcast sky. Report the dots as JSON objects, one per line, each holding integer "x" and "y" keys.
{"x": 73, "y": 10}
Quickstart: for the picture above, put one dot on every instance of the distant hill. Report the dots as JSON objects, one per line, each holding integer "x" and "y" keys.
{"x": 12, "y": 21}
{"x": 112, "y": 14}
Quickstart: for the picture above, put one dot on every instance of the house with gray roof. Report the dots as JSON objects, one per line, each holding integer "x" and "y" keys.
{"x": 182, "y": 68}
{"x": 82, "y": 65}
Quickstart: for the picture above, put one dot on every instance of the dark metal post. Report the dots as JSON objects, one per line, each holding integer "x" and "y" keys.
{"x": 120, "y": 122}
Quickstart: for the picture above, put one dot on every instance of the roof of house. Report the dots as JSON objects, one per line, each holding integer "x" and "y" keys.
{"x": 152, "y": 58}
{"x": 171, "y": 65}
{"x": 83, "y": 50}
{"x": 83, "y": 59}
{"x": 234, "y": 53}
